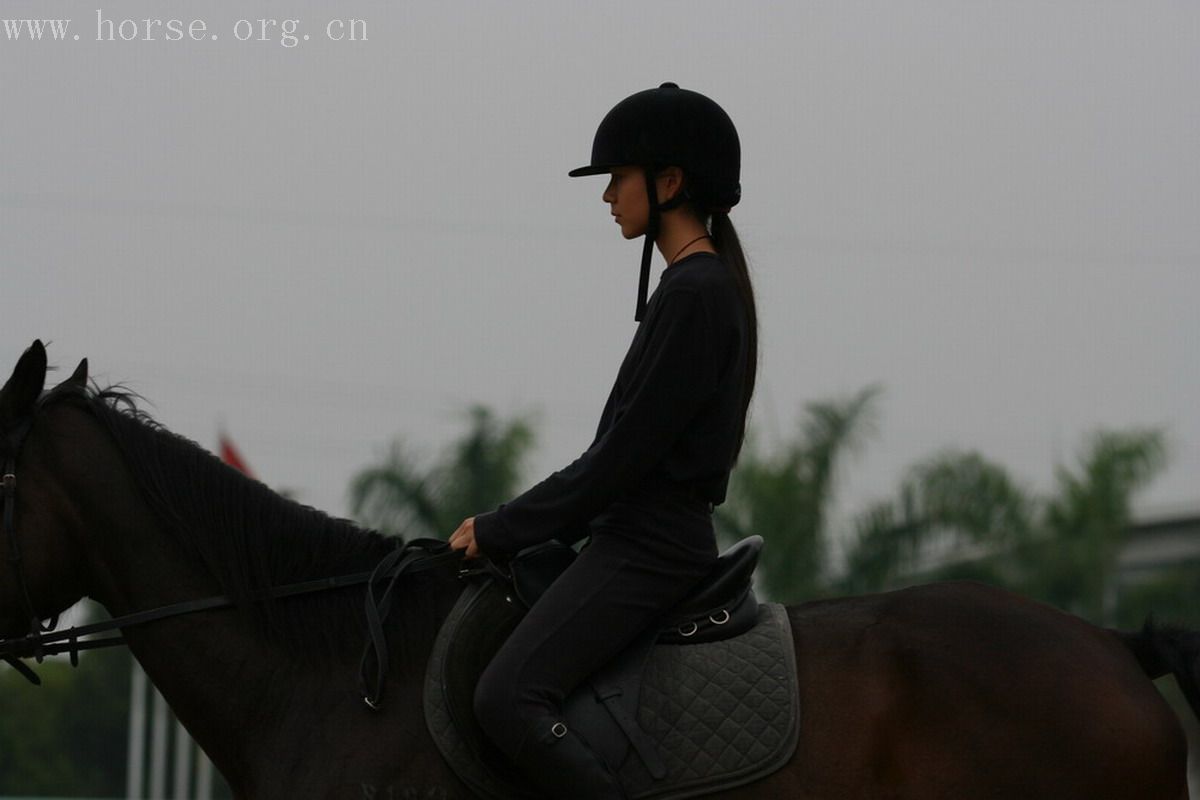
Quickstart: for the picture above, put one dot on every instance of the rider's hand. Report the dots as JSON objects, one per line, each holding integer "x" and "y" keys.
{"x": 464, "y": 538}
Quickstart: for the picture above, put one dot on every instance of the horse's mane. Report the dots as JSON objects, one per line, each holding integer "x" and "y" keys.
{"x": 248, "y": 537}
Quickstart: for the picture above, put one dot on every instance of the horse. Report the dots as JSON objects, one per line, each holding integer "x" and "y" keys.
{"x": 953, "y": 690}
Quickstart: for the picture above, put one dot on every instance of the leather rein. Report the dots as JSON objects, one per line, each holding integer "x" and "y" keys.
{"x": 43, "y": 640}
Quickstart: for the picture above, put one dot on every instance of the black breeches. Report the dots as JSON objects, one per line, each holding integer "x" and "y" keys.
{"x": 623, "y": 581}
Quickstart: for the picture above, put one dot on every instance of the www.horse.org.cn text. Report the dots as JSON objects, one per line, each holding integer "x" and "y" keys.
{"x": 108, "y": 28}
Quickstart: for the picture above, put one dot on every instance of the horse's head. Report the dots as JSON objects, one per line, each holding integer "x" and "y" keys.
{"x": 38, "y": 565}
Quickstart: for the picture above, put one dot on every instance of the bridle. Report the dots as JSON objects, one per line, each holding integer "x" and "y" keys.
{"x": 416, "y": 555}
{"x": 8, "y": 494}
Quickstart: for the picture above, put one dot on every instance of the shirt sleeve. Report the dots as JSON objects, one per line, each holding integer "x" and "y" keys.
{"x": 675, "y": 375}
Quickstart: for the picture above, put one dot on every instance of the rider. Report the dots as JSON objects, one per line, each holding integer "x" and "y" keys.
{"x": 668, "y": 437}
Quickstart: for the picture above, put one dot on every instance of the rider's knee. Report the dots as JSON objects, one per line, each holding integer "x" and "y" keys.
{"x": 494, "y": 709}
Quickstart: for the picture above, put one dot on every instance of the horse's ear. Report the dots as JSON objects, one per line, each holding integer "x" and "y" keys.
{"x": 25, "y": 386}
{"x": 79, "y": 377}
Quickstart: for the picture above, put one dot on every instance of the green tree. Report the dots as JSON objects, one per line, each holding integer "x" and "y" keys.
{"x": 1074, "y": 564}
{"x": 66, "y": 737}
{"x": 958, "y": 516}
{"x": 1172, "y": 596}
{"x": 785, "y": 496}
{"x": 475, "y": 474}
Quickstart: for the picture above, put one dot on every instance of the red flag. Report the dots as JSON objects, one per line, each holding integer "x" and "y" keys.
{"x": 231, "y": 456}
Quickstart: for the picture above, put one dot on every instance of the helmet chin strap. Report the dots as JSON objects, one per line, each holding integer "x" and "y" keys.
{"x": 652, "y": 229}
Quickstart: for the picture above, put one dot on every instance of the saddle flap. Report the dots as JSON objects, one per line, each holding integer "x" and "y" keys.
{"x": 715, "y": 715}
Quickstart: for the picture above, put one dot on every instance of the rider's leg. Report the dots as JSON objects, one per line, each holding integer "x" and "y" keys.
{"x": 604, "y": 600}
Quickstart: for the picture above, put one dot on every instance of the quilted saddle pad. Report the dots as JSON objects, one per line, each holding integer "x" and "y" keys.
{"x": 721, "y": 714}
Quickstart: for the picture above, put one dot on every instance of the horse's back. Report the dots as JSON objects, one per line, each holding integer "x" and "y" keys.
{"x": 964, "y": 690}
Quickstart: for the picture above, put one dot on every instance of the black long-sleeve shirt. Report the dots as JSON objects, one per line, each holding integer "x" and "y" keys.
{"x": 673, "y": 414}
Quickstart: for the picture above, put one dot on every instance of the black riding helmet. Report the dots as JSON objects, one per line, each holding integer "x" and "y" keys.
{"x": 670, "y": 127}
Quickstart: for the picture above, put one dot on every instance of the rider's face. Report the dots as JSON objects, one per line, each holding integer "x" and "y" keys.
{"x": 626, "y": 198}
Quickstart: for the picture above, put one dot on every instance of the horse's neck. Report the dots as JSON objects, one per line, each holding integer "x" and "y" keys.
{"x": 257, "y": 709}
{"x": 242, "y": 698}
{"x": 220, "y": 679}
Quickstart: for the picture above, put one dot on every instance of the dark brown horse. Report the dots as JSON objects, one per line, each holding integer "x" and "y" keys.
{"x": 945, "y": 691}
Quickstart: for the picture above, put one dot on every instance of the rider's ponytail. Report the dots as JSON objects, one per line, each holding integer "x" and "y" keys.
{"x": 725, "y": 240}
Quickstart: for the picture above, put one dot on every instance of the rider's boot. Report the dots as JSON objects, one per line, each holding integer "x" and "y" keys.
{"x": 561, "y": 764}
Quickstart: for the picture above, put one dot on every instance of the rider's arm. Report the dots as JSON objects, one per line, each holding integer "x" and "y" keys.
{"x": 676, "y": 374}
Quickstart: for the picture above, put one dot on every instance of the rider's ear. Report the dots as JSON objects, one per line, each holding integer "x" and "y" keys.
{"x": 25, "y": 386}
{"x": 670, "y": 183}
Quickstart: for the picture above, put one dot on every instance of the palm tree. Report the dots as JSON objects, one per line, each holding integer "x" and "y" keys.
{"x": 477, "y": 473}
{"x": 1086, "y": 525}
{"x": 958, "y": 516}
{"x": 961, "y": 516}
{"x": 784, "y": 497}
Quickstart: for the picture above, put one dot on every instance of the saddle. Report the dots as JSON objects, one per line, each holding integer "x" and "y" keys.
{"x": 707, "y": 700}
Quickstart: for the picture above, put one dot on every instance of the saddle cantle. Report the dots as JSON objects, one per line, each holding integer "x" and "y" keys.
{"x": 707, "y": 702}
{"x": 721, "y": 606}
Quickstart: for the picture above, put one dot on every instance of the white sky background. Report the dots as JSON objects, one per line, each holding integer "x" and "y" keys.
{"x": 990, "y": 208}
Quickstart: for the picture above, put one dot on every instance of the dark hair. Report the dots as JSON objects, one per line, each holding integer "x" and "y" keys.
{"x": 727, "y": 244}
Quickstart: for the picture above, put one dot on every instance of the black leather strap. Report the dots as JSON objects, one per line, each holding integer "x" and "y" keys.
{"x": 416, "y": 555}
{"x": 609, "y": 686}
{"x": 71, "y": 640}
{"x": 8, "y": 480}
{"x": 641, "y": 742}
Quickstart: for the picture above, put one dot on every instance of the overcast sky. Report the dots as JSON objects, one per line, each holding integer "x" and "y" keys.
{"x": 990, "y": 208}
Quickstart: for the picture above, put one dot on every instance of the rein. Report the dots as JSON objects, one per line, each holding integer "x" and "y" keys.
{"x": 43, "y": 640}
{"x": 415, "y": 556}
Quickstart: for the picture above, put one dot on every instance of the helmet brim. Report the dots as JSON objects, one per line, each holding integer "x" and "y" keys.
{"x": 591, "y": 169}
